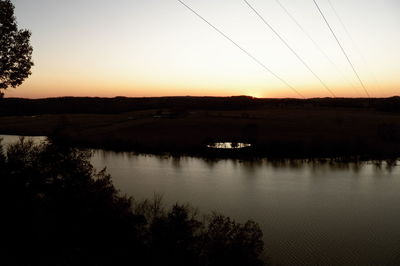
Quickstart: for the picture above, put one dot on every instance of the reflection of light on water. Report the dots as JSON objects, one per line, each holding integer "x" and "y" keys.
{"x": 11, "y": 139}
{"x": 228, "y": 145}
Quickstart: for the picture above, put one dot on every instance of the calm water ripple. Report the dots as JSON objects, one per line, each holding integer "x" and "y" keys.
{"x": 310, "y": 213}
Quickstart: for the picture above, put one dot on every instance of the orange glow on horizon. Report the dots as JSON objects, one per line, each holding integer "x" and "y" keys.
{"x": 53, "y": 89}
{"x": 134, "y": 55}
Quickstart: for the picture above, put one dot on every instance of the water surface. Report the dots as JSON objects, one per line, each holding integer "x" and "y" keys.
{"x": 310, "y": 213}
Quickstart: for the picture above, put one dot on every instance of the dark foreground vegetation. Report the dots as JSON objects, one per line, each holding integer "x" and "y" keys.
{"x": 276, "y": 128}
{"x": 57, "y": 210}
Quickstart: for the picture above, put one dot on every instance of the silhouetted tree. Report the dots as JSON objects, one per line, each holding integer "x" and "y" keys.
{"x": 57, "y": 210}
{"x": 230, "y": 243}
{"x": 15, "y": 49}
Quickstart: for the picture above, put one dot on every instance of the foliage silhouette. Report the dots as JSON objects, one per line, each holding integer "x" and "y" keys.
{"x": 15, "y": 49}
{"x": 58, "y": 210}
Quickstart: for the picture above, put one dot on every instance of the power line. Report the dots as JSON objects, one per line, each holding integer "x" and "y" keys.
{"x": 288, "y": 46}
{"x": 242, "y": 49}
{"x": 314, "y": 42}
{"x": 352, "y": 40}
{"x": 341, "y": 47}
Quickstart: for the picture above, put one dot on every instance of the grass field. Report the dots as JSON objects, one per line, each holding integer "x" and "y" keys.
{"x": 289, "y": 131}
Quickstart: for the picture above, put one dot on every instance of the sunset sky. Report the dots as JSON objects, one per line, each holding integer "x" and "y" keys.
{"x": 160, "y": 48}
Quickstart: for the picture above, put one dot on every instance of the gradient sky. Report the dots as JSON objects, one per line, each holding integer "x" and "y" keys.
{"x": 159, "y": 48}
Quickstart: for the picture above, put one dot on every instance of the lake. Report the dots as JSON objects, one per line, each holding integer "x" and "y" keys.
{"x": 311, "y": 213}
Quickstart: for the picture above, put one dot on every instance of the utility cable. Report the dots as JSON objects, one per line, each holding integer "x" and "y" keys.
{"x": 314, "y": 42}
{"x": 289, "y": 47}
{"x": 242, "y": 49}
{"x": 341, "y": 47}
{"x": 352, "y": 40}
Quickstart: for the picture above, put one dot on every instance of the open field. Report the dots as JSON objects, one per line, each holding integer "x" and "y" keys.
{"x": 276, "y": 128}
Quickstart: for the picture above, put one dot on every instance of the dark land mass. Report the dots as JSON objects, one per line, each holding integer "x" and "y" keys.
{"x": 277, "y": 128}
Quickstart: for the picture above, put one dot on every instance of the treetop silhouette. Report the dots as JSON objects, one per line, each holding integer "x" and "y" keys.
{"x": 15, "y": 49}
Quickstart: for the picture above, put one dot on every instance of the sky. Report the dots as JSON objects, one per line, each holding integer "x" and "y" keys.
{"x": 146, "y": 48}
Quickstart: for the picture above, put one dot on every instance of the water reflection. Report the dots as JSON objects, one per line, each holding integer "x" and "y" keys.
{"x": 312, "y": 212}
{"x": 316, "y": 166}
{"x": 10, "y": 139}
{"x": 229, "y": 145}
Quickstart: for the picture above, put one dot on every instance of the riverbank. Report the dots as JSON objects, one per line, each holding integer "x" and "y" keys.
{"x": 276, "y": 129}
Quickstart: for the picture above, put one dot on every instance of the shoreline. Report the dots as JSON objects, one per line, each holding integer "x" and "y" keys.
{"x": 248, "y": 156}
{"x": 340, "y": 129}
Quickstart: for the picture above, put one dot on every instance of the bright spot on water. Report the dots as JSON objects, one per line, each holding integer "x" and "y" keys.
{"x": 228, "y": 145}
